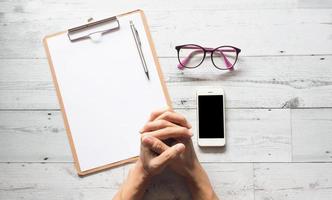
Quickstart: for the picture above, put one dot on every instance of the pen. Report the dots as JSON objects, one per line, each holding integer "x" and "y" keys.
{"x": 139, "y": 48}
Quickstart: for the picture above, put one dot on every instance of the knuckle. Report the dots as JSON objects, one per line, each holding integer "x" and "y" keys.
{"x": 168, "y": 113}
{"x": 157, "y": 146}
{"x": 164, "y": 123}
{"x": 153, "y": 166}
{"x": 168, "y": 129}
{"x": 182, "y": 118}
{"x": 168, "y": 156}
{"x": 150, "y": 125}
{"x": 160, "y": 123}
{"x": 183, "y": 130}
{"x": 154, "y": 113}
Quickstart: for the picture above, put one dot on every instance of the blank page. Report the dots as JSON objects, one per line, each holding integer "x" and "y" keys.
{"x": 106, "y": 94}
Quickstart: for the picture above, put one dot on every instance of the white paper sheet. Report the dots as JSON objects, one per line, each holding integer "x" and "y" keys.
{"x": 106, "y": 94}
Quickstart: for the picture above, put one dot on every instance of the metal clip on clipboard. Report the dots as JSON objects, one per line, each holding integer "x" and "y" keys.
{"x": 100, "y": 28}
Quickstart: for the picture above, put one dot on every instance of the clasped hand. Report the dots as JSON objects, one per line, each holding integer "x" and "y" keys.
{"x": 166, "y": 141}
{"x": 166, "y": 126}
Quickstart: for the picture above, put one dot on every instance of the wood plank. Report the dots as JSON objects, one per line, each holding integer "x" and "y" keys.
{"x": 277, "y": 82}
{"x": 56, "y": 181}
{"x": 252, "y": 136}
{"x": 282, "y": 82}
{"x": 274, "y": 31}
{"x": 33, "y": 136}
{"x": 28, "y": 10}
{"x": 312, "y": 135}
{"x": 229, "y": 180}
{"x": 23, "y": 7}
{"x": 26, "y": 80}
{"x": 59, "y": 181}
{"x": 292, "y": 181}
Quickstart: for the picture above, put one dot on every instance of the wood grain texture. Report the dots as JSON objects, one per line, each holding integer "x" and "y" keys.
{"x": 259, "y": 82}
{"x": 312, "y": 135}
{"x": 63, "y": 6}
{"x": 293, "y": 181}
{"x": 59, "y": 181}
{"x": 231, "y": 181}
{"x": 33, "y": 136}
{"x": 55, "y": 181}
{"x": 252, "y": 136}
{"x": 276, "y": 82}
{"x": 275, "y": 34}
{"x": 278, "y": 98}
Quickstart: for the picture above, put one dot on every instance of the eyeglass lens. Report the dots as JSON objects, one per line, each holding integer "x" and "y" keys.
{"x": 224, "y": 57}
{"x": 191, "y": 56}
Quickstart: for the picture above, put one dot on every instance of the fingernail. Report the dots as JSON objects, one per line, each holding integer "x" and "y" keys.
{"x": 147, "y": 139}
{"x": 179, "y": 147}
{"x": 190, "y": 126}
{"x": 191, "y": 133}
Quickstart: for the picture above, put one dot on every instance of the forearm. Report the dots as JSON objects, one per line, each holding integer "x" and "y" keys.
{"x": 199, "y": 184}
{"x": 134, "y": 186}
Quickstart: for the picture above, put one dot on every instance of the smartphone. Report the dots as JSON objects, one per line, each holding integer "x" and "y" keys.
{"x": 211, "y": 117}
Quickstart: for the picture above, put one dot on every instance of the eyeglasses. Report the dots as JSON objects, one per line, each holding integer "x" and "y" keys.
{"x": 192, "y": 56}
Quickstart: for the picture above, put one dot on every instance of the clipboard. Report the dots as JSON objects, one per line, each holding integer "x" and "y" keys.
{"x": 85, "y": 81}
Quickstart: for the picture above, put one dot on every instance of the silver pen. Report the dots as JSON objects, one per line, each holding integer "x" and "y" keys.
{"x": 139, "y": 48}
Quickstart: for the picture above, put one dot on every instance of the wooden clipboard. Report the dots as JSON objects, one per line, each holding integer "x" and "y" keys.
{"x": 62, "y": 103}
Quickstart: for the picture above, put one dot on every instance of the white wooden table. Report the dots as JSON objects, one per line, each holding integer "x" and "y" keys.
{"x": 279, "y": 98}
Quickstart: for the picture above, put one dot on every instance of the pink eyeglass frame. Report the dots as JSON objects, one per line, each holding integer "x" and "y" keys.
{"x": 183, "y": 62}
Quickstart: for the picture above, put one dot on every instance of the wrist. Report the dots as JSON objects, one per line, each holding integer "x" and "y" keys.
{"x": 192, "y": 170}
{"x": 136, "y": 182}
{"x": 199, "y": 184}
{"x": 140, "y": 174}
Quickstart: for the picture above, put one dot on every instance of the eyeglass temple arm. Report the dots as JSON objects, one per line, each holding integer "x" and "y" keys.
{"x": 199, "y": 50}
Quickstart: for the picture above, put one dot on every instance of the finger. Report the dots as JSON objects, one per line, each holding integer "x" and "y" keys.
{"x": 156, "y": 113}
{"x": 154, "y": 144}
{"x": 145, "y": 150}
{"x": 170, "y": 132}
{"x": 155, "y": 125}
{"x": 167, "y": 156}
{"x": 175, "y": 118}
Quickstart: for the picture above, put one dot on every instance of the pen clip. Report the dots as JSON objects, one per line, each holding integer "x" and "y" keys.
{"x": 138, "y": 38}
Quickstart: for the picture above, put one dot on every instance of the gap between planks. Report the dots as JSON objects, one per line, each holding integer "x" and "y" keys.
{"x": 176, "y": 108}
{"x": 161, "y": 57}
{"x": 202, "y": 162}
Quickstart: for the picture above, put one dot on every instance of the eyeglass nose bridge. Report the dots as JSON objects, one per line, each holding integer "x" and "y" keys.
{"x": 209, "y": 50}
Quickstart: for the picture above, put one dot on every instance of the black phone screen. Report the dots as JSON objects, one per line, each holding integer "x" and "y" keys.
{"x": 210, "y": 116}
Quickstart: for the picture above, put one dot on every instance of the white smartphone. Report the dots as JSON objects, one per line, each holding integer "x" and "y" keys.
{"x": 211, "y": 117}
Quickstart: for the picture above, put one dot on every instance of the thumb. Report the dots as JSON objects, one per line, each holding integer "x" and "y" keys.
{"x": 168, "y": 155}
